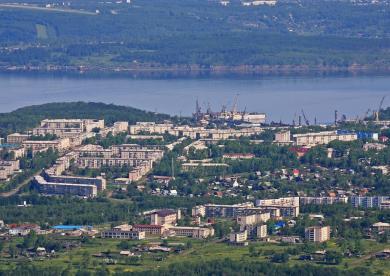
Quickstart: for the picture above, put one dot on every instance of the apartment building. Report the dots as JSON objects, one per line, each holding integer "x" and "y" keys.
{"x": 8, "y": 168}
{"x": 368, "y": 201}
{"x": 92, "y": 156}
{"x": 67, "y": 127}
{"x": 149, "y": 229}
{"x": 238, "y": 237}
{"x": 283, "y": 137}
{"x": 317, "y": 233}
{"x": 192, "y": 132}
{"x": 199, "y": 210}
{"x": 324, "y": 200}
{"x": 51, "y": 188}
{"x": 17, "y": 138}
{"x": 253, "y": 219}
{"x": 59, "y": 145}
{"x": 288, "y": 206}
{"x": 193, "y": 232}
{"x": 124, "y": 231}
{"x": 322, "y": 138}
{"x": 165, "y": 217}
{"x": 255, "y": 231}
{"x": 225, "y": 211}
{"x": 385, "y": 205}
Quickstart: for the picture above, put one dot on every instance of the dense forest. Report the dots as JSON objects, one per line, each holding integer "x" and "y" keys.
{"x": 29, "y": 117}
{"x": 197, "y": 35}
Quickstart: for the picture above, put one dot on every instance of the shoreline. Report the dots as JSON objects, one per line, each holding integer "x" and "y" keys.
{"x": 188, "y": 71}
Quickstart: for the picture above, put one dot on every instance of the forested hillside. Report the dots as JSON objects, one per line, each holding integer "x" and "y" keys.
{"x": 195, "y": 35}
{"x": 29, "y": 117}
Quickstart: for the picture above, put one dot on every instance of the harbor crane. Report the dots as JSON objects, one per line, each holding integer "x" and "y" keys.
{"x": 305, "y": 118}
{"x": 234, "y": 107}
{"x": 379, "y": 108}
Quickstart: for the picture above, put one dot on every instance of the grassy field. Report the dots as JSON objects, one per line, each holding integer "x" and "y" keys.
{"x": 200, "y": 250}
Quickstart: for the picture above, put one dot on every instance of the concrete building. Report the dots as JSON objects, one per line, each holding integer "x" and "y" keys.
{"x": 236, "y": 156}
{"x": 193, "y": 132}
{"x": 124, "y": 231}
{"x": 59, "y": 145}
{"x": 17, "y": 138}
{"x": 199, "y": 210}
{"x": 283, "y": 137}
{"x": 253, "y": 219}
{"x": 368, "y": 201}
{"x": 322, "y": 138}
{"x": 92, "y": 156}
{"x": 324, "y": 200}
{"x": 317, "y": 233}
{"x": 374, "y": 146}
{"x": 193, "y": 232}
{"x": 62, "y": 185}
{"x": 8, "y": 168}
{"x": 288, "y": 206}
{"x": 149, "y": 229}
{"x": 67, "y": 127}
{"x": 380, "y": 227}
{"x": 165, "y": 217}
{"x": 238, "y": 237}
{"x": 385, "y": 205}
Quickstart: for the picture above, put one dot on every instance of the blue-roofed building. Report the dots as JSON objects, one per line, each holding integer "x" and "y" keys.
{"x": 71, "y": 227}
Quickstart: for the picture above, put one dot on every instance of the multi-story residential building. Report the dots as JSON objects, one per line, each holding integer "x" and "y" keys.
{"x": 283, "y": 137}
{"x": 45, "y": 187}
{"x": 324, "y": 200}
{"x": 238, "y": 237}
{"x": 199, "y": 210}
{"x": 37, "y": 146}
{"x": 17, "y": 138}
{"x": 322, "y": 138}
{"x": 8, "y": 168}
{"x": 235, "y": 156}
{"x": 317, "y": 233}
{"x": 288, "y": 206}
{"x": 253, "y": 219}
{"x": 67, "y": 127}
{"x": 380, "y": 227}
{"x": 194, "y": 232}
{"x": 385, "y": 205}
{"x": 374, "y": 146}
{"x": 62, "y": 185}
{"x": 227, "y": 211}
{"x": 165, "y": 217}
{"x": 130, "y": 155}
{"x": 193, "y": 132}
{"x": 124, "y": 231}
{"x": 368, "y": 201}
{"x": 149, "y": 229}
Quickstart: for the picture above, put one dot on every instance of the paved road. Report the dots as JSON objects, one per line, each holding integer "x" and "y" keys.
{"x": 17, "y": 189}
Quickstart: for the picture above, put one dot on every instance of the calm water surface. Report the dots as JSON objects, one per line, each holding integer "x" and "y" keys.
{"x": 279, "y": 97}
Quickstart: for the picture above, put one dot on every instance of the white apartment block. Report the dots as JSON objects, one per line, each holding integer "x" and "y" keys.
{"x": 317, "y": 233}
{"x": 322, "y": 138}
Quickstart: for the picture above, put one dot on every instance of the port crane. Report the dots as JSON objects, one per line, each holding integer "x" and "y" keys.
{"x": 379, "y": 108}
{"x": 305, "y": 118}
